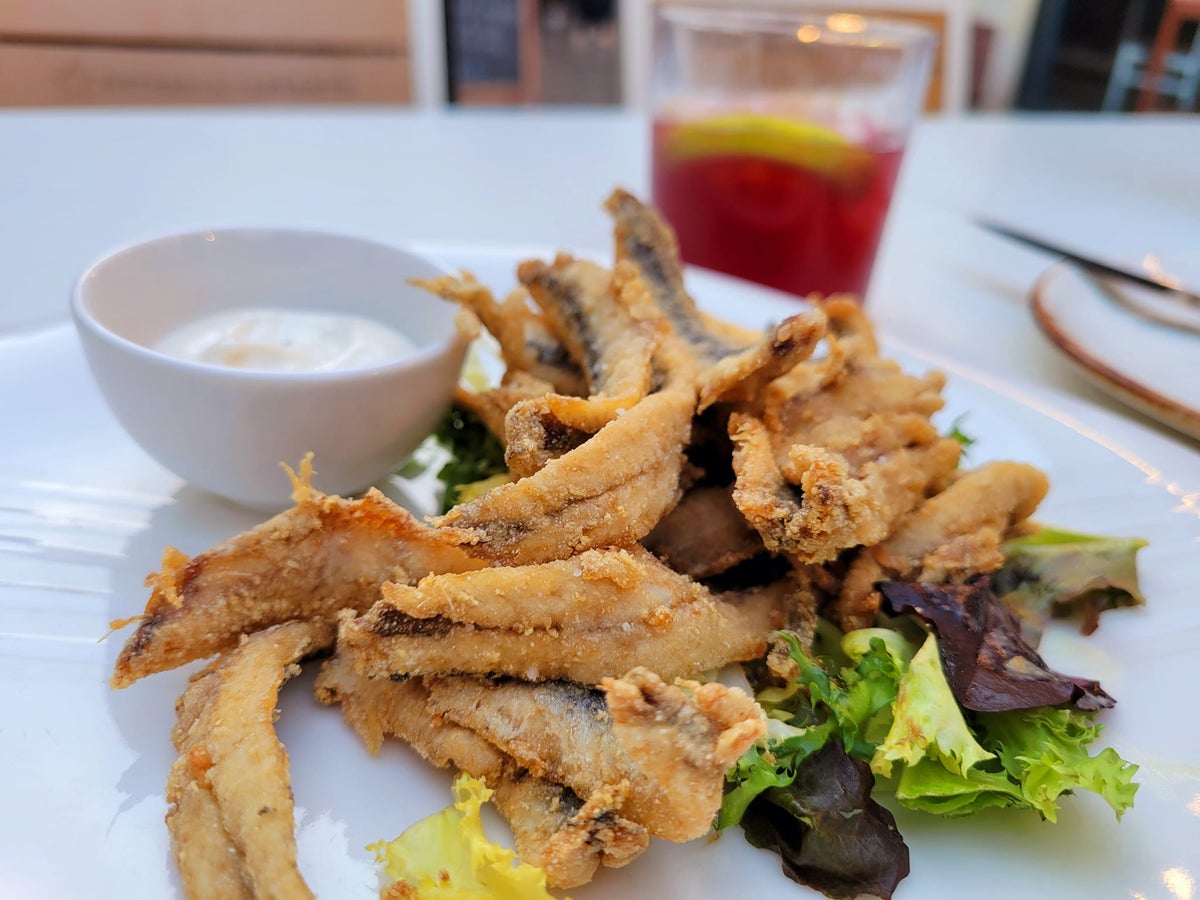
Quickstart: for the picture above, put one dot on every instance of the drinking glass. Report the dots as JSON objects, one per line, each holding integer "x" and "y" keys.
{"x": 777, "y": 138}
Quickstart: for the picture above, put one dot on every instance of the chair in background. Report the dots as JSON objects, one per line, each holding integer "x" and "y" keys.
{"x": 1183, "y": 67}
{"x": 1162, "y": 71}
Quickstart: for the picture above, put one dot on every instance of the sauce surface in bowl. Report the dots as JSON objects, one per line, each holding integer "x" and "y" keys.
{"x": 282, "y": 340}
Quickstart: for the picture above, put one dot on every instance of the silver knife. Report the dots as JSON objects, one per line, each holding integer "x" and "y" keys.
{"x": 1170, "y": 289}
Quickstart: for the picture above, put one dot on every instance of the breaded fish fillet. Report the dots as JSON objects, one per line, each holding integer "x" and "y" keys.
{"x": 744, "y": 376}
{"x": 606, "y": 321}
{"x": 323, "y": 555}
{"x": 553, "y": 828}
{"x": 644, "y": 239}
{"x": 567, "y": 837}
{"x": 819, "y": 502}
{"x": 951, "y": 536}
{"x": 609, "y": 491}
{"x": 843, "y": 448}
{"x": 611, "y": 328}
{"x": 381, "y": 707}
{"x": 586, "y": 618}
{"x": 231, "y": 813}
{"x": 491, "y": 406}
{"x": 526, "y": 343}
{"x": 685, "y": 736}
{"x": 563, "y": 732}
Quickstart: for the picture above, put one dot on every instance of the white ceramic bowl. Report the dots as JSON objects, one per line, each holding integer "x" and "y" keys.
{"x": 227, "y": 430}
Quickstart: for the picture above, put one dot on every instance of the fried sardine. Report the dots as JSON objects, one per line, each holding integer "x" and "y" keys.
{"x": 586, "y": 618}
{"x": 323, "y": 555}
{"x": 230, "y": 812}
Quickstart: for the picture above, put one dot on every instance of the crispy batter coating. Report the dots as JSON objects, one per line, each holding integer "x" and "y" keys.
{"x": 231, "y": 810}
{"x": 818, "y": 503}
{"x": 380, "y": 707}
{"x": 844, "y": 447}
{"x": 492, "y": 405}
{"x": 323, "y": 555}
{"x": 526, "y": 343}
{"x": 609, "y": 491}
{"x": 951, "y": 536}
{"x": 553, "y": 828}
{"x": 612, "y": 329}
{"x": 605, "y": 320}
{"x": 744, "y": 376}
{"x": 684, "y": 736}
{"x": 644, "y": 240}
{"x": 563, "y": 732}
{"x": 585, "y": 618}
{"x": 566, "y": 837}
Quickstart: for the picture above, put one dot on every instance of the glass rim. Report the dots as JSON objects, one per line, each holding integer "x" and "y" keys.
{"x": 846, "y": 29}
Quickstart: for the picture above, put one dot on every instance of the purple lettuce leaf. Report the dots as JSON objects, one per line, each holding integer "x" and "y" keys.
{"x": 990, "y": 667}
{"x": 828, "y": 831}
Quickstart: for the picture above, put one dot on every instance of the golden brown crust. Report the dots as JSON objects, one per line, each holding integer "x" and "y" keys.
{"x": 953, "y": 535}
{"x": 586, "y": 618}
{"x": 526, "y": 343}
{"x": 553, "y": 828}
{"x": 562, "y": 732}
{"x": 231, "y": 813}
{"x": 609, "y": 491}
{"x": 567, "y": 838}
{"x": 743, "y": 377}
{"x": 323, "y": 555}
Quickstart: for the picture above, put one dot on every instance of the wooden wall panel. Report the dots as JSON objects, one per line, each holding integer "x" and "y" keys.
{"x": 203, "y": 23}
{"x": 48, "y": 75}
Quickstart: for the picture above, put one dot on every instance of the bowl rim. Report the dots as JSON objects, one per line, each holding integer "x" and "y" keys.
{"x": 84, "y": 319}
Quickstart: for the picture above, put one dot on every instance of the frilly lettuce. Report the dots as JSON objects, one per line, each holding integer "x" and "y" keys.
{"x": 895, "y": 708}
{"x": 926, "y": 721}
{"x": 854, "y": 705}
{"x": 1045, "y": 751}
{"x": 447, "y": 856}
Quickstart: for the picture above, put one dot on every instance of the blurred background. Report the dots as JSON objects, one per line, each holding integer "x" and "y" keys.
{"x": 1097, "y": 55}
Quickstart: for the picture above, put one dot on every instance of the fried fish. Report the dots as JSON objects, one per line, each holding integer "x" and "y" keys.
{"x": 323, "y": 555}
{"x": 230, "y": 811}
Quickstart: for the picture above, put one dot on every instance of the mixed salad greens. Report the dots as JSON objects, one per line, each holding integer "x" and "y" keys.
{"x": 952, "y": 720}
{"x": 949, "y": 710}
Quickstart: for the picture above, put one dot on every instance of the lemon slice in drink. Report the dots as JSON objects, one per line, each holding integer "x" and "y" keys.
{"x": 804, "y": 144}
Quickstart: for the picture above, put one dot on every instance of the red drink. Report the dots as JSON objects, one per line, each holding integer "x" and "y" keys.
{"x": 785, "y": 204}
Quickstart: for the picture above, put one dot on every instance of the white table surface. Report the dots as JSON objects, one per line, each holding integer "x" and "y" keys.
{"x": 74, "y": 184}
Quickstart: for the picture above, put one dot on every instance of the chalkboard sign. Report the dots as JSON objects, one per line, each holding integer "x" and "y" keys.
{"x": 483, "y": 43}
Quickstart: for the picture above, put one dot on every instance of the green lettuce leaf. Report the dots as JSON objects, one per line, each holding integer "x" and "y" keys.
{"x": 874, "y": 696}
{"x": 1045, "y": 752}
{"x": 1055, "y": 573}
{"x": 447, "y": 856}
{"x": 1024, "y": 758}
{"x": 927, "y": 721}
{"x": 931, "y": 787}
{"x": 476, "y": 455}
{"x": 854, "y": 705}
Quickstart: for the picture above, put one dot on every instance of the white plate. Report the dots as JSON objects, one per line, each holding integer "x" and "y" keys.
{"x": 1148, "y": 364}
{"x": 84, "y": 515}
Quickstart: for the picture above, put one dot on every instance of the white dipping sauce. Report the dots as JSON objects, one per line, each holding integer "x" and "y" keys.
{"x": 284, "y": 340}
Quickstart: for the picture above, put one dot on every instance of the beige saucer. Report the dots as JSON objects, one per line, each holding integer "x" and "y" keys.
{"x": 1102, "y": 327}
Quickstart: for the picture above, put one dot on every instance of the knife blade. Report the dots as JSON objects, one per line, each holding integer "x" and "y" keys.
{"x": 1170, "y": 290}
